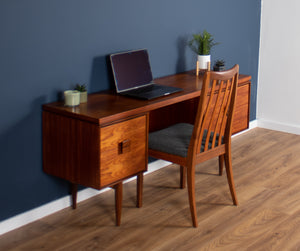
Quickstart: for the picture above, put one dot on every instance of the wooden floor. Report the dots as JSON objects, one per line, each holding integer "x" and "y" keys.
{"x": 266, "y": 167}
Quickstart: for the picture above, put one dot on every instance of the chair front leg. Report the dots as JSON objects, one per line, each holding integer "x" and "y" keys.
{"x": 191, "y": 193}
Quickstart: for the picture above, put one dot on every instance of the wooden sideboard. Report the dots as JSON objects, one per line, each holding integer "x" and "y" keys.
{"x": 105, "y": 141}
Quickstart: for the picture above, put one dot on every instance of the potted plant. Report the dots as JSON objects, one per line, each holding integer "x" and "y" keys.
{"x": 219, "y": 65}
{"x": 202, "y": 44}
{"x": 83, "y": 92}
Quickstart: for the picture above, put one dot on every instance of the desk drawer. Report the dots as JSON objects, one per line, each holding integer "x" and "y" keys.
{"x": 241, "y": 113}
{"x": 123, "y": 148}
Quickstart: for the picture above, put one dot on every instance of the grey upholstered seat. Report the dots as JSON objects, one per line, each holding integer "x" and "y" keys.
{"x": 176, "y": 139}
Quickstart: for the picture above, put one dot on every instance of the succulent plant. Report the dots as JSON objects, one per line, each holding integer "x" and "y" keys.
{"x": 80, "y": 88}
{"x": 220, "y": 63}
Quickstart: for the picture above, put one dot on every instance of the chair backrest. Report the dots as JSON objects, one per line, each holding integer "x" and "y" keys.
{"x": 213, "y": 123}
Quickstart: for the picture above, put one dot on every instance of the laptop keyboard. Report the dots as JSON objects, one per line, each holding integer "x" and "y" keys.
{"x": 151, "y": 91}
{"x": 145, "y": 89}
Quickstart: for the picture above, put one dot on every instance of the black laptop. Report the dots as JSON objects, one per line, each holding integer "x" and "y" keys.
{"x": 133, "y": 76}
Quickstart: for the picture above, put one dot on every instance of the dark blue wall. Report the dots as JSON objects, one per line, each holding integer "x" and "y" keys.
{"x": 48, "y": 46}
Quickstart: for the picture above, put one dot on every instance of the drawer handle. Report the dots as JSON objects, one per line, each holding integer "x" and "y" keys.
{"x": 124, "y": 146}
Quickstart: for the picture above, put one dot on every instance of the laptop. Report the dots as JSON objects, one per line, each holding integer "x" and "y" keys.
{"x": 133, "y": 76}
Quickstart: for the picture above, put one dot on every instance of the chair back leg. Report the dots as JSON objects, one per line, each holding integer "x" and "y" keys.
{"x": 228, "y": 166}
{"x": 221, "y": 164}
{"x": 182, "y": 176}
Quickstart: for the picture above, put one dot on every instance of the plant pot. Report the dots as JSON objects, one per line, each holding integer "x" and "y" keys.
{"x": 83, "y": 97}
{"x": 203, "y": 62}
{"x": 72, "y": 98}
{"x": 219, "y": 68}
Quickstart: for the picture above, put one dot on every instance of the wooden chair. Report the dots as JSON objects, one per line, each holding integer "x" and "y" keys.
{"x": 209, "y": 137}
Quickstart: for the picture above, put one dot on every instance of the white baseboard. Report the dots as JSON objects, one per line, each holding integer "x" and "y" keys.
{"x": 252, "y": 124}
{"x": 59, "y": 204}
{"x": 278, "y": 126}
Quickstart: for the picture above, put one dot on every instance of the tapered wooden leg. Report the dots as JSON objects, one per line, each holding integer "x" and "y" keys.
{"x": 73, "y": 190}
{"x": 228, "y": 165}
{"x": 182, "y": 176}
{"x": 191, "y": 192}
{"x": 139, "y": 189}
{"x": 118, "y": 202}
{"x": 221, "y": 164}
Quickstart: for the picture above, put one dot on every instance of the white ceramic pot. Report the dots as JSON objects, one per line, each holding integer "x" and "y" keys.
{"x": 72, "y": 98}
{"x": 203, "y": 61}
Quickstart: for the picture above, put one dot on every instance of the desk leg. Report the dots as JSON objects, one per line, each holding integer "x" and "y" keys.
{"x": 73, "y": 189}
{"x": 118, "y": 202}
{"x": 139, "y": 189}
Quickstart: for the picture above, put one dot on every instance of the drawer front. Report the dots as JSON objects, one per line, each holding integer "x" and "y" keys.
{"x": 123, "y": 148}
{"x": 241, "y": 112}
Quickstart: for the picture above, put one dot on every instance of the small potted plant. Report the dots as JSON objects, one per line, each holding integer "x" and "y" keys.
{"x": 202, "y": 44}
{"x": 83, "y": 92}
{"x": 219, "y": 65}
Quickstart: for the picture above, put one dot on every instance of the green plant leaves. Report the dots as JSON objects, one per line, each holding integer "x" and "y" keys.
{"x": 80, "y": 88}
{"x": 202, "y": 43}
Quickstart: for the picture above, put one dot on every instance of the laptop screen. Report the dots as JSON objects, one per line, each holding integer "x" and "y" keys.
{"x": 131, "y": 69}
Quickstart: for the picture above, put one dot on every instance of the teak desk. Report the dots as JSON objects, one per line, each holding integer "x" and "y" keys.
{"x": 105, "y": 141}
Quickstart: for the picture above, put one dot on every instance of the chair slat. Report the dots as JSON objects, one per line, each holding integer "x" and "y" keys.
{"x": 219, "y": 113}
{"x": 225, "y": 104}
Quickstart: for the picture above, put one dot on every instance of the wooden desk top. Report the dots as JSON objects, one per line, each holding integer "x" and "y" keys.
{"x": 106, "y": 106}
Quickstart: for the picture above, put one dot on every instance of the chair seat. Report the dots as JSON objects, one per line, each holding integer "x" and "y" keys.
{"x": 176, "y": 139}
{"x": 173, "y": 140}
